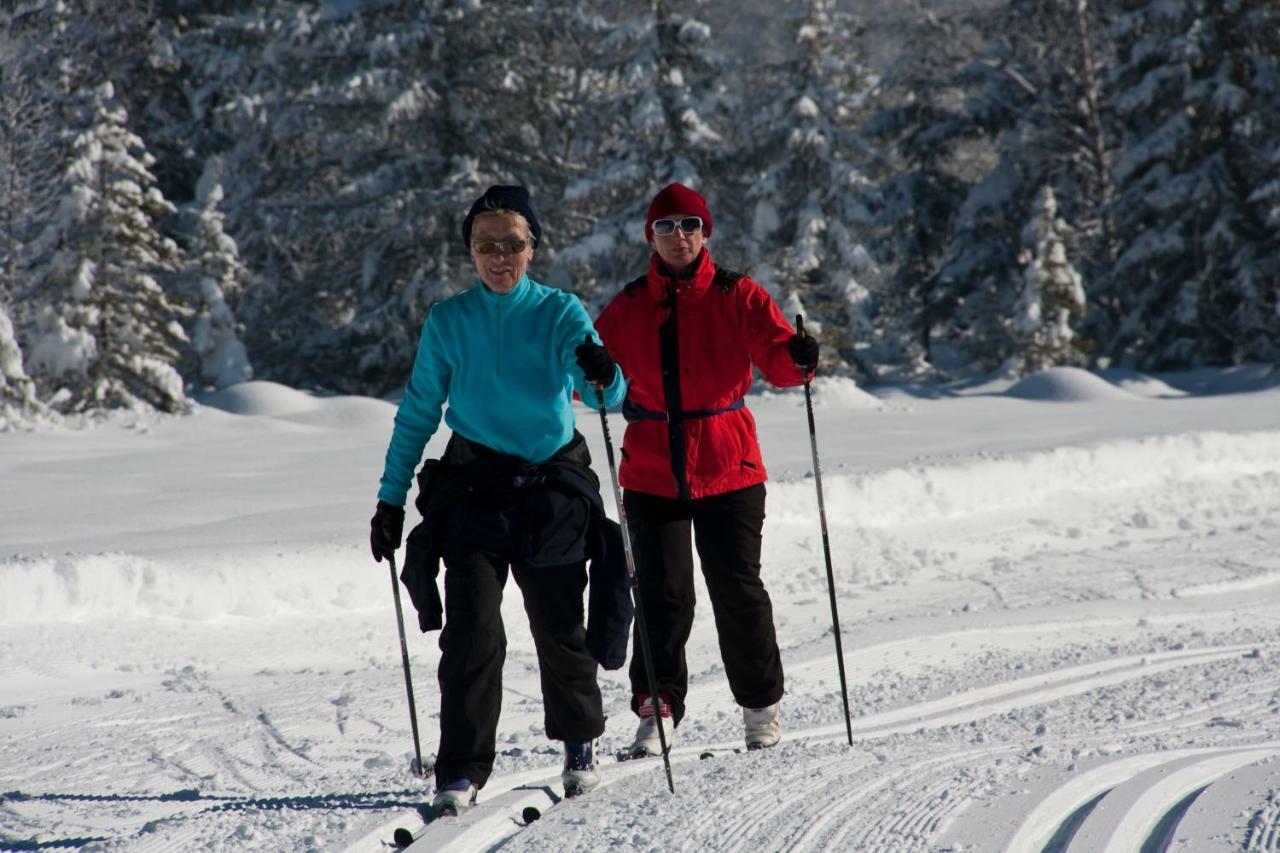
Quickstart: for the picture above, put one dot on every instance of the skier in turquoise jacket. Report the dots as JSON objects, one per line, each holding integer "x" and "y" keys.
{"x": 506, "y": 356}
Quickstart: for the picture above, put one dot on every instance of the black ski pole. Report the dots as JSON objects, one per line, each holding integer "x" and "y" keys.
{"x": 404, "y": 656}
{"x": 635, "y": 589}
{"x": 826, "y": 543}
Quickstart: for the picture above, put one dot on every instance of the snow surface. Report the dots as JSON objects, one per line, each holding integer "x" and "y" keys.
{"x": 1058, "y": 604}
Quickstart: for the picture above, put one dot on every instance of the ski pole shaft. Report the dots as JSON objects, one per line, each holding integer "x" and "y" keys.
{"x": 826, "y": 544}
{"x": 404, "y": 657}
{"x": 641, "y": 629}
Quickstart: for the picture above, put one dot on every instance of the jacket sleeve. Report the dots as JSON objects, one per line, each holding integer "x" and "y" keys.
{"x": 766, "y": 332}
{"x": 418, "y": 415}
{"x": 575, "y": 326}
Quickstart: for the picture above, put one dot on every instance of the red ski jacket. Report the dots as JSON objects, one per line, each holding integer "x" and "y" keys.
{"x": 687, "y": 346}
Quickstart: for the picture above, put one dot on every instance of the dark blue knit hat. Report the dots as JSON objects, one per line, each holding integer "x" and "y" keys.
{"x": 500, "y": 197}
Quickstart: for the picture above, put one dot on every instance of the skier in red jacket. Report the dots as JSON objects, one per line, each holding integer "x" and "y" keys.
{"x": 686, "y": 335}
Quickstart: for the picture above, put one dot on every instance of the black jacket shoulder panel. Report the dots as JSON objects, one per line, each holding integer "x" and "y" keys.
{"x": 727, "y": 279}
{"x": 636, "y": 284}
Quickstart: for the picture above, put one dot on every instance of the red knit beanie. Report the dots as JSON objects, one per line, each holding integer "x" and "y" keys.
{"x": 673, "y": 199}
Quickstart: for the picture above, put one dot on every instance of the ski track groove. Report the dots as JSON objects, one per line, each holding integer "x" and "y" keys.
{"x": 261, "y": 753}
{"x": 747, "y": 828}
{"x": 1263, "y": 832}
{"x": 1129, "y": 817}
{"x": 920, "y": 800}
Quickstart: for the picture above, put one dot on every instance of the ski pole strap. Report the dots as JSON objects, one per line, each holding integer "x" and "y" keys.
{"x": 633, "y": 413}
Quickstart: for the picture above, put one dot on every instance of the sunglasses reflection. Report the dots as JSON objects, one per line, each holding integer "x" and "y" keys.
{"x": 687, "y": 224}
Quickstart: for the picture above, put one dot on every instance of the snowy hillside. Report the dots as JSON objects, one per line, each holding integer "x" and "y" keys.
{"x": 1058, "y": 602}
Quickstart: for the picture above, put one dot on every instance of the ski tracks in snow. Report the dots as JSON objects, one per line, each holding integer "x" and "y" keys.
{"x": 924, "y": 777}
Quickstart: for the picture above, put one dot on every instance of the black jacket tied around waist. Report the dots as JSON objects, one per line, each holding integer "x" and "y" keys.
{"x": 475, "y": 498}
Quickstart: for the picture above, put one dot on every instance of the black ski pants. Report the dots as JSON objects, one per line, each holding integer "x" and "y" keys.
{"x": 473, "y": 648}
{"x": 726, "y": 531}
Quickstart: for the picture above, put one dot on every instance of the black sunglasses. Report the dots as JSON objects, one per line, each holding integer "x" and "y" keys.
{"x": 667, "y": 227}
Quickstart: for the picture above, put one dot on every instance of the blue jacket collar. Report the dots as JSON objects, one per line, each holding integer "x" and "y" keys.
{"x": 514, "y": 295}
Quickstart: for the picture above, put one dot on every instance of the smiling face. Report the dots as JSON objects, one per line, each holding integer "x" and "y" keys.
{"x": 501, "y": 271}
{"x": 678, "y": 249}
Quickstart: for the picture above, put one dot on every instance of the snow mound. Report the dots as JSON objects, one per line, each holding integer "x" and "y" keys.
{"x": 271, "y": 400}
{"x": 1066, "y": 384}
{"x": 347, "y": 413}
{"x": 836, "y": 392}
{"x": 1142, "y": 384}
{"x": 260, "y": 398}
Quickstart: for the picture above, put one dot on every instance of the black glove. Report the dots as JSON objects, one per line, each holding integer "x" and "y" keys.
{"x": 385, "y": 529}
{"x": 804, "y": 352}
{"x": 596, "y": 363}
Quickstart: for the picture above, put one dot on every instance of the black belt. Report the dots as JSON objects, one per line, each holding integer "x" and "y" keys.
{"x": 632, "y": 413}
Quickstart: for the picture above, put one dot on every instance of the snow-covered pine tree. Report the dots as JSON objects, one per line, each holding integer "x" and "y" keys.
{"x": 654, "y": 91}
{"x": 355, "y": 152}
{"x": 109, "y": 332}
{"x": 1032, "y": 94}
{"x": 1198, "y": 93}
{"x": 924, "y": 177}
{"x": 19, "y": 406}
{"x": 217, "y": 280}
{"x": 810, "y": 204}
{"x": 29, "y": 143}
{"x": 1052, "y": 293}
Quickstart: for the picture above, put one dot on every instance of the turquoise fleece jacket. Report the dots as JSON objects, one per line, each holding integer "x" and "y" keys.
{"x": 505, "y": 365}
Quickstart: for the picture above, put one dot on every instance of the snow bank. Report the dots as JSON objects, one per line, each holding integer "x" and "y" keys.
{"x": 905, "y": 496}
{"x": 115, "y": 586}
{"x": 265, "y": 583}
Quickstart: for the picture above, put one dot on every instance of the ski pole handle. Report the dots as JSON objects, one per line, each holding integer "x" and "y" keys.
{"x": 800, "y": 326}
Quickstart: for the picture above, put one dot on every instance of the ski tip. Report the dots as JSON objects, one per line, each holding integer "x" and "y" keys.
{"x": 402, "y": 837}
{"x": 530, "y": 814}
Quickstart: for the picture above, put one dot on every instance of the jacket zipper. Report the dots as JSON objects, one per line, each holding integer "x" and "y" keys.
{"x": 669, "y": 348}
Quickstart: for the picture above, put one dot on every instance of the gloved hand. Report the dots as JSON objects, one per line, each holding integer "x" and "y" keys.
{"x": 385, "y": 529}
{"x": 804, "y": 352}
{"x": 596, "y": 363}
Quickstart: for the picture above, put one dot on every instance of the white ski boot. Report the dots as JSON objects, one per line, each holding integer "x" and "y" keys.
{"x": 455, "y": 796}
{"x": 647, "y": 742}
{"x": 762, "y": 726}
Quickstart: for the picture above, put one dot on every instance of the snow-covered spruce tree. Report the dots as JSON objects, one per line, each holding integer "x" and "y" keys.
{"x": 30, "y": 141}
{"x": 1052, "y": 294}
{"x": 1032, "y": 94}
{"x": 217, "y": 280}
{"x": 22, "y": 124}
{"x": 109, "y": 333}
{"x": 1198, "y": 92}
{"x": 19, "y": 406}
{"x": 928, "y": 163}
{"x": 355, "y": 156}
{"x": 658, "y": 116}
{"x": 810, "y": 204}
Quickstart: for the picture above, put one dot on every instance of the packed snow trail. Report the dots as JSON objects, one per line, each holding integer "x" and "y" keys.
{"x": 1043, "y": 605}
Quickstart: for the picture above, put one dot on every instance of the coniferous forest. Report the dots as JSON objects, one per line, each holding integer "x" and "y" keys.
{"x": 197, "y": 192}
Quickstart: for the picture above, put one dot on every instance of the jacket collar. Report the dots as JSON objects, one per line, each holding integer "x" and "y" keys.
{"x": 512, "y": 297}
{"x": 662, "y": 282}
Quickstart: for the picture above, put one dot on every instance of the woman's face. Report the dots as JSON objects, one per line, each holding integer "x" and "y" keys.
{"x": 678, "y": 249}
{"x": 502, "y": 268}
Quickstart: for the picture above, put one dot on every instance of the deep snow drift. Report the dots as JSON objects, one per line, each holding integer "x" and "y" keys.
{"x": 1058, "y": 600}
